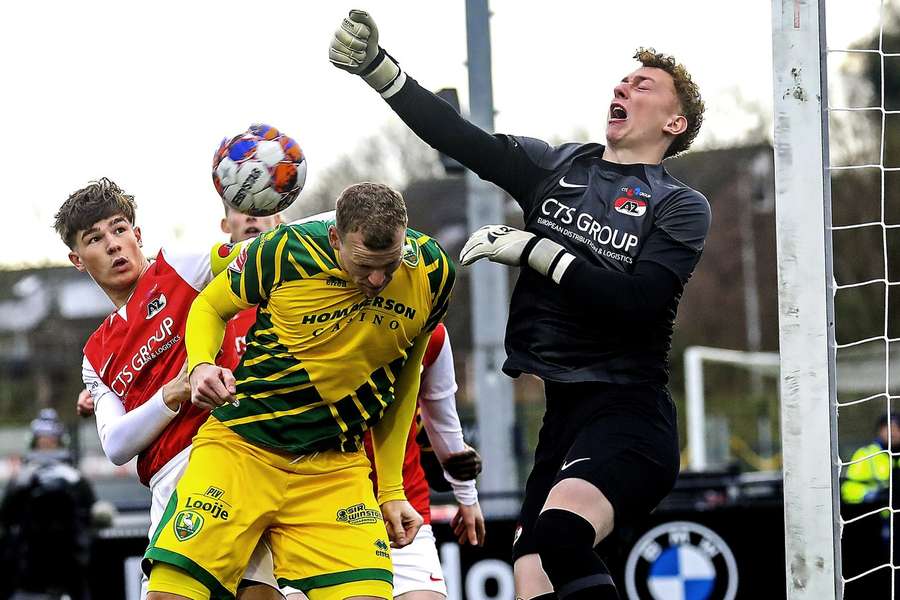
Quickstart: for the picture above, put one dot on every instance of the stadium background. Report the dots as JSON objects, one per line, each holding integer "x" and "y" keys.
{"x": 46, "y": 314}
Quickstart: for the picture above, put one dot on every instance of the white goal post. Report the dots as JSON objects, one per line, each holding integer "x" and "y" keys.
{"x": 806, "y": 302}
{"x": 695, "y": 397}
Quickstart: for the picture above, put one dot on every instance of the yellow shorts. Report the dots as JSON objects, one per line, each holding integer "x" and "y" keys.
{"x": 324, "y": 525}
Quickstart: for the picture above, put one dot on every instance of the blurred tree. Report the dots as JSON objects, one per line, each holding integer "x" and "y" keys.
{"x": 395, "y": 156}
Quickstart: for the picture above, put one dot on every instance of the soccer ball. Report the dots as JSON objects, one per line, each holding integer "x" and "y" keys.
{"x": 259, "y": 172}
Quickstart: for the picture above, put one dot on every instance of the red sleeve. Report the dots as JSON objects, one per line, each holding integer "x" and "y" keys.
{"x": 434, "y": 345}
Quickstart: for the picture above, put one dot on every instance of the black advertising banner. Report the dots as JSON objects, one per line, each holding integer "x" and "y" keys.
{"x": 717, "y": 537}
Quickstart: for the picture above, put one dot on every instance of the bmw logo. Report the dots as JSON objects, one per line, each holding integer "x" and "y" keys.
{"x": 681, "y": 560}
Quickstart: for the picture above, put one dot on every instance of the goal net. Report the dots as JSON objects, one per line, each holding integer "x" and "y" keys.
{"x": 837, "y": 161}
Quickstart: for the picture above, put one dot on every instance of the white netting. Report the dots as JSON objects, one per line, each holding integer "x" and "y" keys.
{"x": 864, "y": 122}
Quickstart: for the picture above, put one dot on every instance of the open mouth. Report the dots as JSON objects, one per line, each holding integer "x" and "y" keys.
{"x": 120, "y": 262}
{"x": 617, "y": 112}
{"x": 252, "y": 231}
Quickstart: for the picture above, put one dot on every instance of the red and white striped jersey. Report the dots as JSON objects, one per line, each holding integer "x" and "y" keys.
{"x": 140, "y": 347}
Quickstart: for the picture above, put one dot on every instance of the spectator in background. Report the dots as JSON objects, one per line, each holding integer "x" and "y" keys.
{"x": 869, "y": 480}
{"x": 45, "y": 520}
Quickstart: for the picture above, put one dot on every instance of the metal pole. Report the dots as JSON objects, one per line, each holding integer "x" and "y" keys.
{"x": 806, "y": 302}
{"x": 752, "y": 325}
{"x": 494, "y": 406}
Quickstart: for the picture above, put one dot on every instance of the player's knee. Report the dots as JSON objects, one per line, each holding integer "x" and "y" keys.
{"x": 565, "y": 543}
{"x": 561, "y": 535}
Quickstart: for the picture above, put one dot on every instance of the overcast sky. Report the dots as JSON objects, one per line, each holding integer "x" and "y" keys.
{"x": 143, "y": 92}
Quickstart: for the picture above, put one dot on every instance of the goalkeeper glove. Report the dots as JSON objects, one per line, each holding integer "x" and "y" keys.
{"x": 355, "y": 48}
{"x": 513, "y": 247}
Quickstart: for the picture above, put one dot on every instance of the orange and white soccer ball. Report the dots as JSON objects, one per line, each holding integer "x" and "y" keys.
{"x": 259, "y": 172}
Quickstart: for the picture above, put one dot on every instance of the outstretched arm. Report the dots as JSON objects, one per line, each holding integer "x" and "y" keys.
{"x": 649, "y": 288}
{"x": 500, "y": 159}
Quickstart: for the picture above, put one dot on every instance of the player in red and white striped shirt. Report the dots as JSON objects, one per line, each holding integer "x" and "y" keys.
{"x": 134, "y": 363}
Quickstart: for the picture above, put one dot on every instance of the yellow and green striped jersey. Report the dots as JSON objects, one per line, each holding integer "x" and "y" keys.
{"x": 322, "y": 359}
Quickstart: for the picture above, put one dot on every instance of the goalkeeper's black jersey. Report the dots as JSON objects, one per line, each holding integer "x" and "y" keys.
{"x": 613, "y": 216}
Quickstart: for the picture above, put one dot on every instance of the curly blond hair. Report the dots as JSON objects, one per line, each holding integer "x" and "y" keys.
{"x": 686, "y": 90}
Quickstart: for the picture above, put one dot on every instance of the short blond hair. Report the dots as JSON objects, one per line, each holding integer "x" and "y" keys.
{"x": 375, "y": 210}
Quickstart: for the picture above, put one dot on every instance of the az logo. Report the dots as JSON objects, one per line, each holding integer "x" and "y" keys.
{"x": 633, "y": 207}
{"x": 155, "y": 305}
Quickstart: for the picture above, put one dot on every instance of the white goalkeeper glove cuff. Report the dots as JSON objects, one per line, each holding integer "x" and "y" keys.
{"x": 384, "y": 74}
{"x": 510, "y": 246}
{"x": 548, "y": 258}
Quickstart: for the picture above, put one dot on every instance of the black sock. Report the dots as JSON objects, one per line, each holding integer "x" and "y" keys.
{"x": 565, "y": 544}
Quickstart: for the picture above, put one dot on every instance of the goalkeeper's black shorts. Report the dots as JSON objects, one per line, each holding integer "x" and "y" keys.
{"x": 621, "y": 438}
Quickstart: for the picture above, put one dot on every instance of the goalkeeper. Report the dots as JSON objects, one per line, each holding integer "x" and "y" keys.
{"x": 610, "y": 241}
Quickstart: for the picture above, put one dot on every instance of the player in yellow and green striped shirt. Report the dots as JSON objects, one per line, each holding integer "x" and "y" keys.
{"x": 345, "y": 308}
